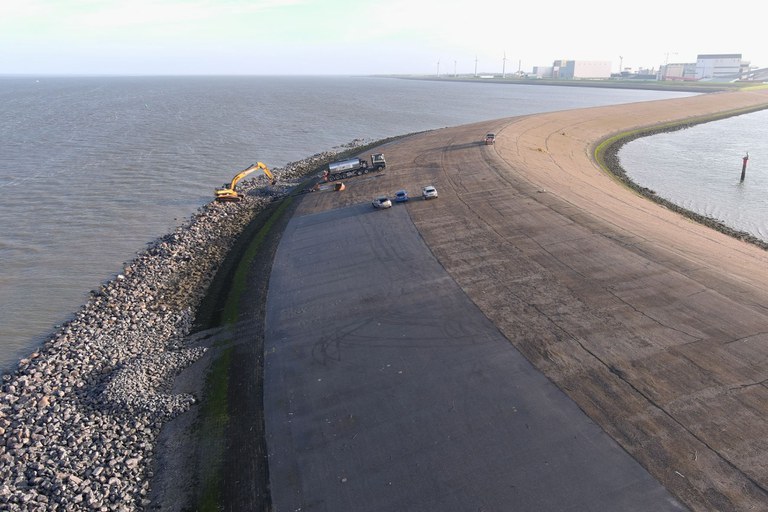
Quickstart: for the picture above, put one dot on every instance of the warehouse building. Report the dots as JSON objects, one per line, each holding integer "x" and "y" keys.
{"x": 678, "y": 71}
{"x": 584, "y": 69}
{"x": 720, "y": 66}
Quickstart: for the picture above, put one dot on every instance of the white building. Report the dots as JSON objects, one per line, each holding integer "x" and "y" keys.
{"x": 584, "y": 69}
{"x": 719, "y": 66}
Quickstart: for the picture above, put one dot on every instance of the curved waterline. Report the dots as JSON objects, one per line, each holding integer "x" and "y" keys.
{"x": 606, "y": 151}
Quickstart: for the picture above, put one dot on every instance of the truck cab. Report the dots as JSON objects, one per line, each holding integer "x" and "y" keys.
{"x": 378, "y": 162}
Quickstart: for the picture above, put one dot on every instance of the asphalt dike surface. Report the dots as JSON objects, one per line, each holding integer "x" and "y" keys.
{"x": 653, "y": 324}
{"x": 386, "y": 388}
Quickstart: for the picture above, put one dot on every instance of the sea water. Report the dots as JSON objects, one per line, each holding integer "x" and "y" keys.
{"x": 699, "y": 168}
{"x": 94, "y": 168}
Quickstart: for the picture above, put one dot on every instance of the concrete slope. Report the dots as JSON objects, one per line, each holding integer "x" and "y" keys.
{"x": 387, "y": 389}
{"x": 654, "y": 325}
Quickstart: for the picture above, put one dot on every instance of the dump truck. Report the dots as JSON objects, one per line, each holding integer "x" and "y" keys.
{"x": 228, "y": 193}
{"x": 354, "y": 167}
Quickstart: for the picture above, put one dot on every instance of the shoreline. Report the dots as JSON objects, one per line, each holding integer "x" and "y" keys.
{"x": 81, "y": 415}
{"x": 113, "y": 471}
{"x": 108, "y": 376}
{"x": 606, "y": 155}
{"x": 652, "y": 85}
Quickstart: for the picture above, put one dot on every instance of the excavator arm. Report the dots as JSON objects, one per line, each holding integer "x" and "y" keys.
{"x": 228, "y": 192}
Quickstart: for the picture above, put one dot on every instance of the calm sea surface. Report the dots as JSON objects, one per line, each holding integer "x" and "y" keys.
{"x": 699, "y": 168}
{"x": 93, "y": 169}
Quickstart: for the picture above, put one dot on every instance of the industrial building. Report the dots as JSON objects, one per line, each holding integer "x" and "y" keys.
{"x": 723, "y": 66}
{"x": 715, "y": 67}
{"x": 574, "y": 69}
{"x": 708, "y": 67}
{"x": 678, "y": 71}
{"x": 571, "y": 69}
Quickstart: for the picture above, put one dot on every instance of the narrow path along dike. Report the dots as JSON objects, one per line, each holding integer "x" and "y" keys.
{"x": 653, "y": 325}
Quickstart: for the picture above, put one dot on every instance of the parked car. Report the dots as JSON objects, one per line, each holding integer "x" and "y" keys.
{"x": 382, "y": 202}
{"x": 401, "y": 196}
{"x": 429, "y": 192}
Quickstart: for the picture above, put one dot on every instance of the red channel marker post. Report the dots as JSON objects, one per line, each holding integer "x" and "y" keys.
{"x": 744, "y": 166}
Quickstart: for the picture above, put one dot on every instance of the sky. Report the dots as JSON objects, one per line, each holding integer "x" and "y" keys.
{"x": 363, "y": 37}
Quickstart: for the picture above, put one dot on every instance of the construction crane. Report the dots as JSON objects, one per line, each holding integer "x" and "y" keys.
{"x": 228, "y": 192}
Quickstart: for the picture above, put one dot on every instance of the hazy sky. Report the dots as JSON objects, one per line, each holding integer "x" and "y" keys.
{"x": 269, "y": 37}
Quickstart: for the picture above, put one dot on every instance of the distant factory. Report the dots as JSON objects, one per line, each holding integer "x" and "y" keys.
{"x": 708, "y": 67}
{"x": 716, "y": 67}
{"x": 712, "y": 67}
{"x": 574, "y": 69}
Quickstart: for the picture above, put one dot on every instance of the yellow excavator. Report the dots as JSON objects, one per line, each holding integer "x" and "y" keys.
{"x": 228, "y": 192}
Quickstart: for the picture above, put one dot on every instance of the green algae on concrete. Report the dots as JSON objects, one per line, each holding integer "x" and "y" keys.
{"x": 214, "y": 421}
{"x": 217, "y": 413}
{"x": 232, "y": 305}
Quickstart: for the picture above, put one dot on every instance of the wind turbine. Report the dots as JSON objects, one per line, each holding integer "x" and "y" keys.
{"x": 504, "y": 66}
